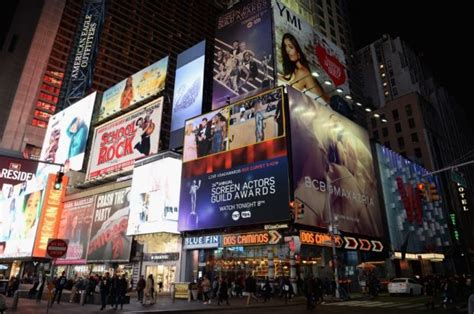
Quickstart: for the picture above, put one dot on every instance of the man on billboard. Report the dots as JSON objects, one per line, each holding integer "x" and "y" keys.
{"x": 193, "y": 216}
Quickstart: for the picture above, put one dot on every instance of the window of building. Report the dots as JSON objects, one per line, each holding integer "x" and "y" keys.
{"x": 418, "y": 153}
{"x": 411, "y": 123}
{"x": 373, "y": 121}
{"x": 401, "y": 143}
{"x": 333, "y": 32}
{"x": 395, "y": 91}
{"x": 398, "y": 127}
{"x": 387, "y": 144}
{"x": 384, "y": 131}
{"x": 408, "y": 110}
{"x": 376, "y": 135}
{"x": 395, "y": 115}
{"x": 414, "y": 137}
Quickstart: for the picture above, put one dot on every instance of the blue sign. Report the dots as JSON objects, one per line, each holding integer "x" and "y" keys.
{"x": 202, "y": 242}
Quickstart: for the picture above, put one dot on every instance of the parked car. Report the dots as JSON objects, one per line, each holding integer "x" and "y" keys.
{"x": 404, "y": 286}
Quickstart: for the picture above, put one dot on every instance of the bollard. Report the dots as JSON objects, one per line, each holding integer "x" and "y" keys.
{"x": 16, "y": 296}
{"x": 471, "y": 304}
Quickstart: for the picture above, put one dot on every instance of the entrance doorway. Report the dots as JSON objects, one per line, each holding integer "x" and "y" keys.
{"x": 162, "y": 273}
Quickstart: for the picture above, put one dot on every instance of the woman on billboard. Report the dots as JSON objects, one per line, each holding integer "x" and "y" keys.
{"x": 127, "y": 94}
{"x": 31, "y": 209}
{"x": 77, "y": 132}
{"x": 296, "y": 67}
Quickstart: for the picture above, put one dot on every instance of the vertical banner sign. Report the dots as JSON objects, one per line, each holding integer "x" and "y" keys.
{"x": 81, "y": 62}
{"x": 50, "y": 215}
{"x": 243, "y": 52}
{"x": 109, "y": 241}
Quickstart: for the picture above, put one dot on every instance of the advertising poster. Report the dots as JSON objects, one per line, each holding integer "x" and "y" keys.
{"x": 14, "y": 171}
{"x": 136, "y": 88}
{"x": 243, "y": 52}
{"x": 154, "y": 199}
{"x": 75, "y": 225}
{"x": 422, "y": 221}
{"x": 300, "y": 51}
{"x": 109, "y": 241}
{"x": 66, "y": 138}
{"x": 20, "y": 215}
{"x": 241, "y": 177}
{"x": 50, "y": 215}
{"x": 332, "y": 168}
{"x": 118, "y": 143}
{"x": 188, "y": 90}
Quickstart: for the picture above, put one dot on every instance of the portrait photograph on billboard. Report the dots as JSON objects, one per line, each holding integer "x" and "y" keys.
{"x": 136, "y": 88}
{"x": 188, "y": 90}
{"x": 66, "y": 137}
{"x": 243, "y": 52}
{"x": 237, "y": 185}
{"x": 332, "y": 168}
{"x": 108, "y": 240}
{"x": 118, "y": 143}
{"x": 154, "y": 199}
{"x": 305, "y": 58}
{"x": 418, "y": 217}
{"x": 75, "y": 225}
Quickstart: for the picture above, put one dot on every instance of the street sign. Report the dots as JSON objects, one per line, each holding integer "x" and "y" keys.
{"x": 56, "y": 248}
{"x": 457, "y": 177}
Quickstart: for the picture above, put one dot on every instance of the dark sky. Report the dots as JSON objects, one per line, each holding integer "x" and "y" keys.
{"x": 438, "y": 30}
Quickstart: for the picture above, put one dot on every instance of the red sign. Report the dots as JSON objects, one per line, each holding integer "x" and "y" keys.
{"x": 319, "y": 238}
{"x": 56, "y": 248}
{"x": 331, "y": 66}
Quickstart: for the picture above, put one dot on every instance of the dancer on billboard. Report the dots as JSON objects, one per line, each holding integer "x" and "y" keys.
{"x": 77, "y": 132}
{"x": 127, "y": 94}
{"x": 193, "y": 218}
{"x": 148, "y": 126}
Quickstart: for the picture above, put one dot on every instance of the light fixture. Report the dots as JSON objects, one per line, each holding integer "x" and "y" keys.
{"x": 368, "y": 109}
{"x": 358, "y": 104}
{"x": 381, "y": 66}
{"x": 376, "y": 115}
{"x": 328, "y": 83}
{"x": 315, "y": 74}
{"x": 349, "y": 97}
{"x": 383, "y": 120}
{"x": 339, "y": 90}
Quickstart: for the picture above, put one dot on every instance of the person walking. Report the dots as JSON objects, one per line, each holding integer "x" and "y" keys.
{"x": 310, "y": 292}
{"x": 206, "y": 289}
{"x": 60, "y": 284}
{"x": 267, "y": 290}
{"x": 122, "y": 286}
{"x": 114, "y": 285}
{"x": 150, "y": 290}
{"x": 251, "y": 288}
{"x": 90, "y": 288}
{"x": 222, "y": 293}
{"x": 141, "y": 284}
{"x": 104, "y": 286}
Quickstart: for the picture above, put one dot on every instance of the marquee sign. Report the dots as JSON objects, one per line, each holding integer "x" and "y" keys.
{"x": 346, "y": 242}
{"x": 252, "y": 238}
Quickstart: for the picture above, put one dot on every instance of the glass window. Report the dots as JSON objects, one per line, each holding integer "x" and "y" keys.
{"x": 411, "y": 123}
{"x": 395, "y": 114}
{"x": 401, "y": 143}
{"x": 414, "y": 137}
{"x": 398, "y": 127}
{"x": 408, "y": 110}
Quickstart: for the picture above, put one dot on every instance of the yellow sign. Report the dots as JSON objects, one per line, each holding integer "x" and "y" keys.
{"x": 181, "y": 290}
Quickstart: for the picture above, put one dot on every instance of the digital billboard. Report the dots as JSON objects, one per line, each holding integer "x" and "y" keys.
{"x": 75, "y": 225}
{"x": 243, "y": 52}
{"x": 14, "y": 171}
{"x": 118, "y": 143}
{"x": 332, "y": 168}
{"x": 235, "y": 168}
{"x": 188, "y": 90}
{"x": 420, "y": 217}
{"x": 108, "y": 240}
{"x": 136, "y": 88}
{"x": 154, "y": 200}
{"x": 302, "y": 51}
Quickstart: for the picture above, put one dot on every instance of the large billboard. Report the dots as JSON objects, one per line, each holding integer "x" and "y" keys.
{"x": 188, "y": 90}
{"x": 136, "y": 88}
{"x": 109, "y": 241}
{"x": 243, "y": 54}
{"x": 75, "y": 225}
{"x": 305, "y": 58}
{"x": 66, "y": 137}
{"x": 118, "y": 143}
{"x": 154, "y": 197}
{"x": 235, "y": 168}
{"x": 420, "y": 221}
{"x": 332, "y": 168}
{"x": 14, "y": 171}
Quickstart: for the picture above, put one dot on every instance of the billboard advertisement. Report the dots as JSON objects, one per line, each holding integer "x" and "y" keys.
{"x": 20, "y": 218}
{"x": 66, "y": 137}
{"x": 75, "y": 225}
{"x": 332, "y": 168}
{"x": 188, "y": 90}
{"x": 51, "y": 210}
{"x": 421, "y": 219}
{"x": 154, "y": 200}
{"x": 108, "y": 240}
{"x": 235, "y": 168}
{"x": 136, "y": 88}
{"x": 118, "y": 143}
{"x": 14, "y": 171}
{"x": 302, "y": 51}
{"x": 243, "y": 52}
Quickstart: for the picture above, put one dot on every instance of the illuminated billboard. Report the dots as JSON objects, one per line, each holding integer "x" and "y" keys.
{"x": 332, "y": 168}
{"x": 136, "y": 88}
{"x": 188, "y": 90}
{"x": 243, "y": 52}
{"x": 108, "y": 240}
{"x": 235, "y": 168}
{"x": 66, "y": 137}
{"x": 154, "y": 199}
{"x": 14, "y": 171}
{"x": 305, "y": 58}
{"x": 75, "y": 225}
{"x": 411, "y": 210}
{"x": 118, "y": 143}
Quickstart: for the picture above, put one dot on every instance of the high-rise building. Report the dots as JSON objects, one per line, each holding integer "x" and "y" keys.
{"x": 134, "y": 35}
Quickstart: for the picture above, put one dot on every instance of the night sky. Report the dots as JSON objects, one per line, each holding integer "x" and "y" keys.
{"x": 437, "y": 30}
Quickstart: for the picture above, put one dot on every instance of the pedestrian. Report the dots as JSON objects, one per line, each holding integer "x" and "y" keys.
{"x": 206, "y": 289}
{"x": 121, "y": 291}
{"x": 310, "y": 293}
{"x": 430, "y": 292}
{"x": 160, "y": 286}
{"x": 267, "y": 290}
{"x": 90, "y": 288}
{"x": 287, "y": 289}
{"x": 150, "y": 290}
{"x": 251, "y": 288}
{"x": 60, "y": 284}
{"x": 40, "y": 288}
{"x": 104, "y": 286}
{"x": 76, "y": 288}
{"x": 140, "y": 288}
{"x": 222, "y": 293}
{"x": 114, "y": 285}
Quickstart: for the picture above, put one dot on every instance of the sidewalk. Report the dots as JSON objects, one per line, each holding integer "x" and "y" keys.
{"x": 164, "y": 305}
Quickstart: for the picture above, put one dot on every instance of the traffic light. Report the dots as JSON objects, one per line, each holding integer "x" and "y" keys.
{"x": 421, "y": 190}
{"x": 299, "y": 210}
{"x": 433, "y": 193}
{"x": 59, "y": 180}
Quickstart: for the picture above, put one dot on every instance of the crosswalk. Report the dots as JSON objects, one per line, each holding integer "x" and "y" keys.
{"x": 379, "y": 304}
